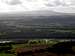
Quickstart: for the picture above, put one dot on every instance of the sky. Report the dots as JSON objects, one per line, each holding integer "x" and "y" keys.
{"x": 13, "y": 6}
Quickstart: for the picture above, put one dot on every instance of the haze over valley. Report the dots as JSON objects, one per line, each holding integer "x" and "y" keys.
{"x": 45, "y": 25}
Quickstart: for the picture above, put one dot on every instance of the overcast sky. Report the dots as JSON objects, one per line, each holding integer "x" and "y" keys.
{"x": 12, "y": 6}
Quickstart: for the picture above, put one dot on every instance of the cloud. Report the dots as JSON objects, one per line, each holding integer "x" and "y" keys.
{"x": 12, "y": 2}
{"x": 55, "y": 3}
{"x": 52, "y": 3}
{"x": 31, "y": 5}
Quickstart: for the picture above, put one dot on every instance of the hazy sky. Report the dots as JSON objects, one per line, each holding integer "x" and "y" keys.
{"x": 12, "y": 6}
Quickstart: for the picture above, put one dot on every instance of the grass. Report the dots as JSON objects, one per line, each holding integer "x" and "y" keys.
{"x": 5, "y": 54}
{"x": 50, "y": 43}
{"x": 27, "y": 45}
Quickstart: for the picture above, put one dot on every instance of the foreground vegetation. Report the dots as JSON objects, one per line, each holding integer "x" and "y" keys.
{"x": 9, "y": 49}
